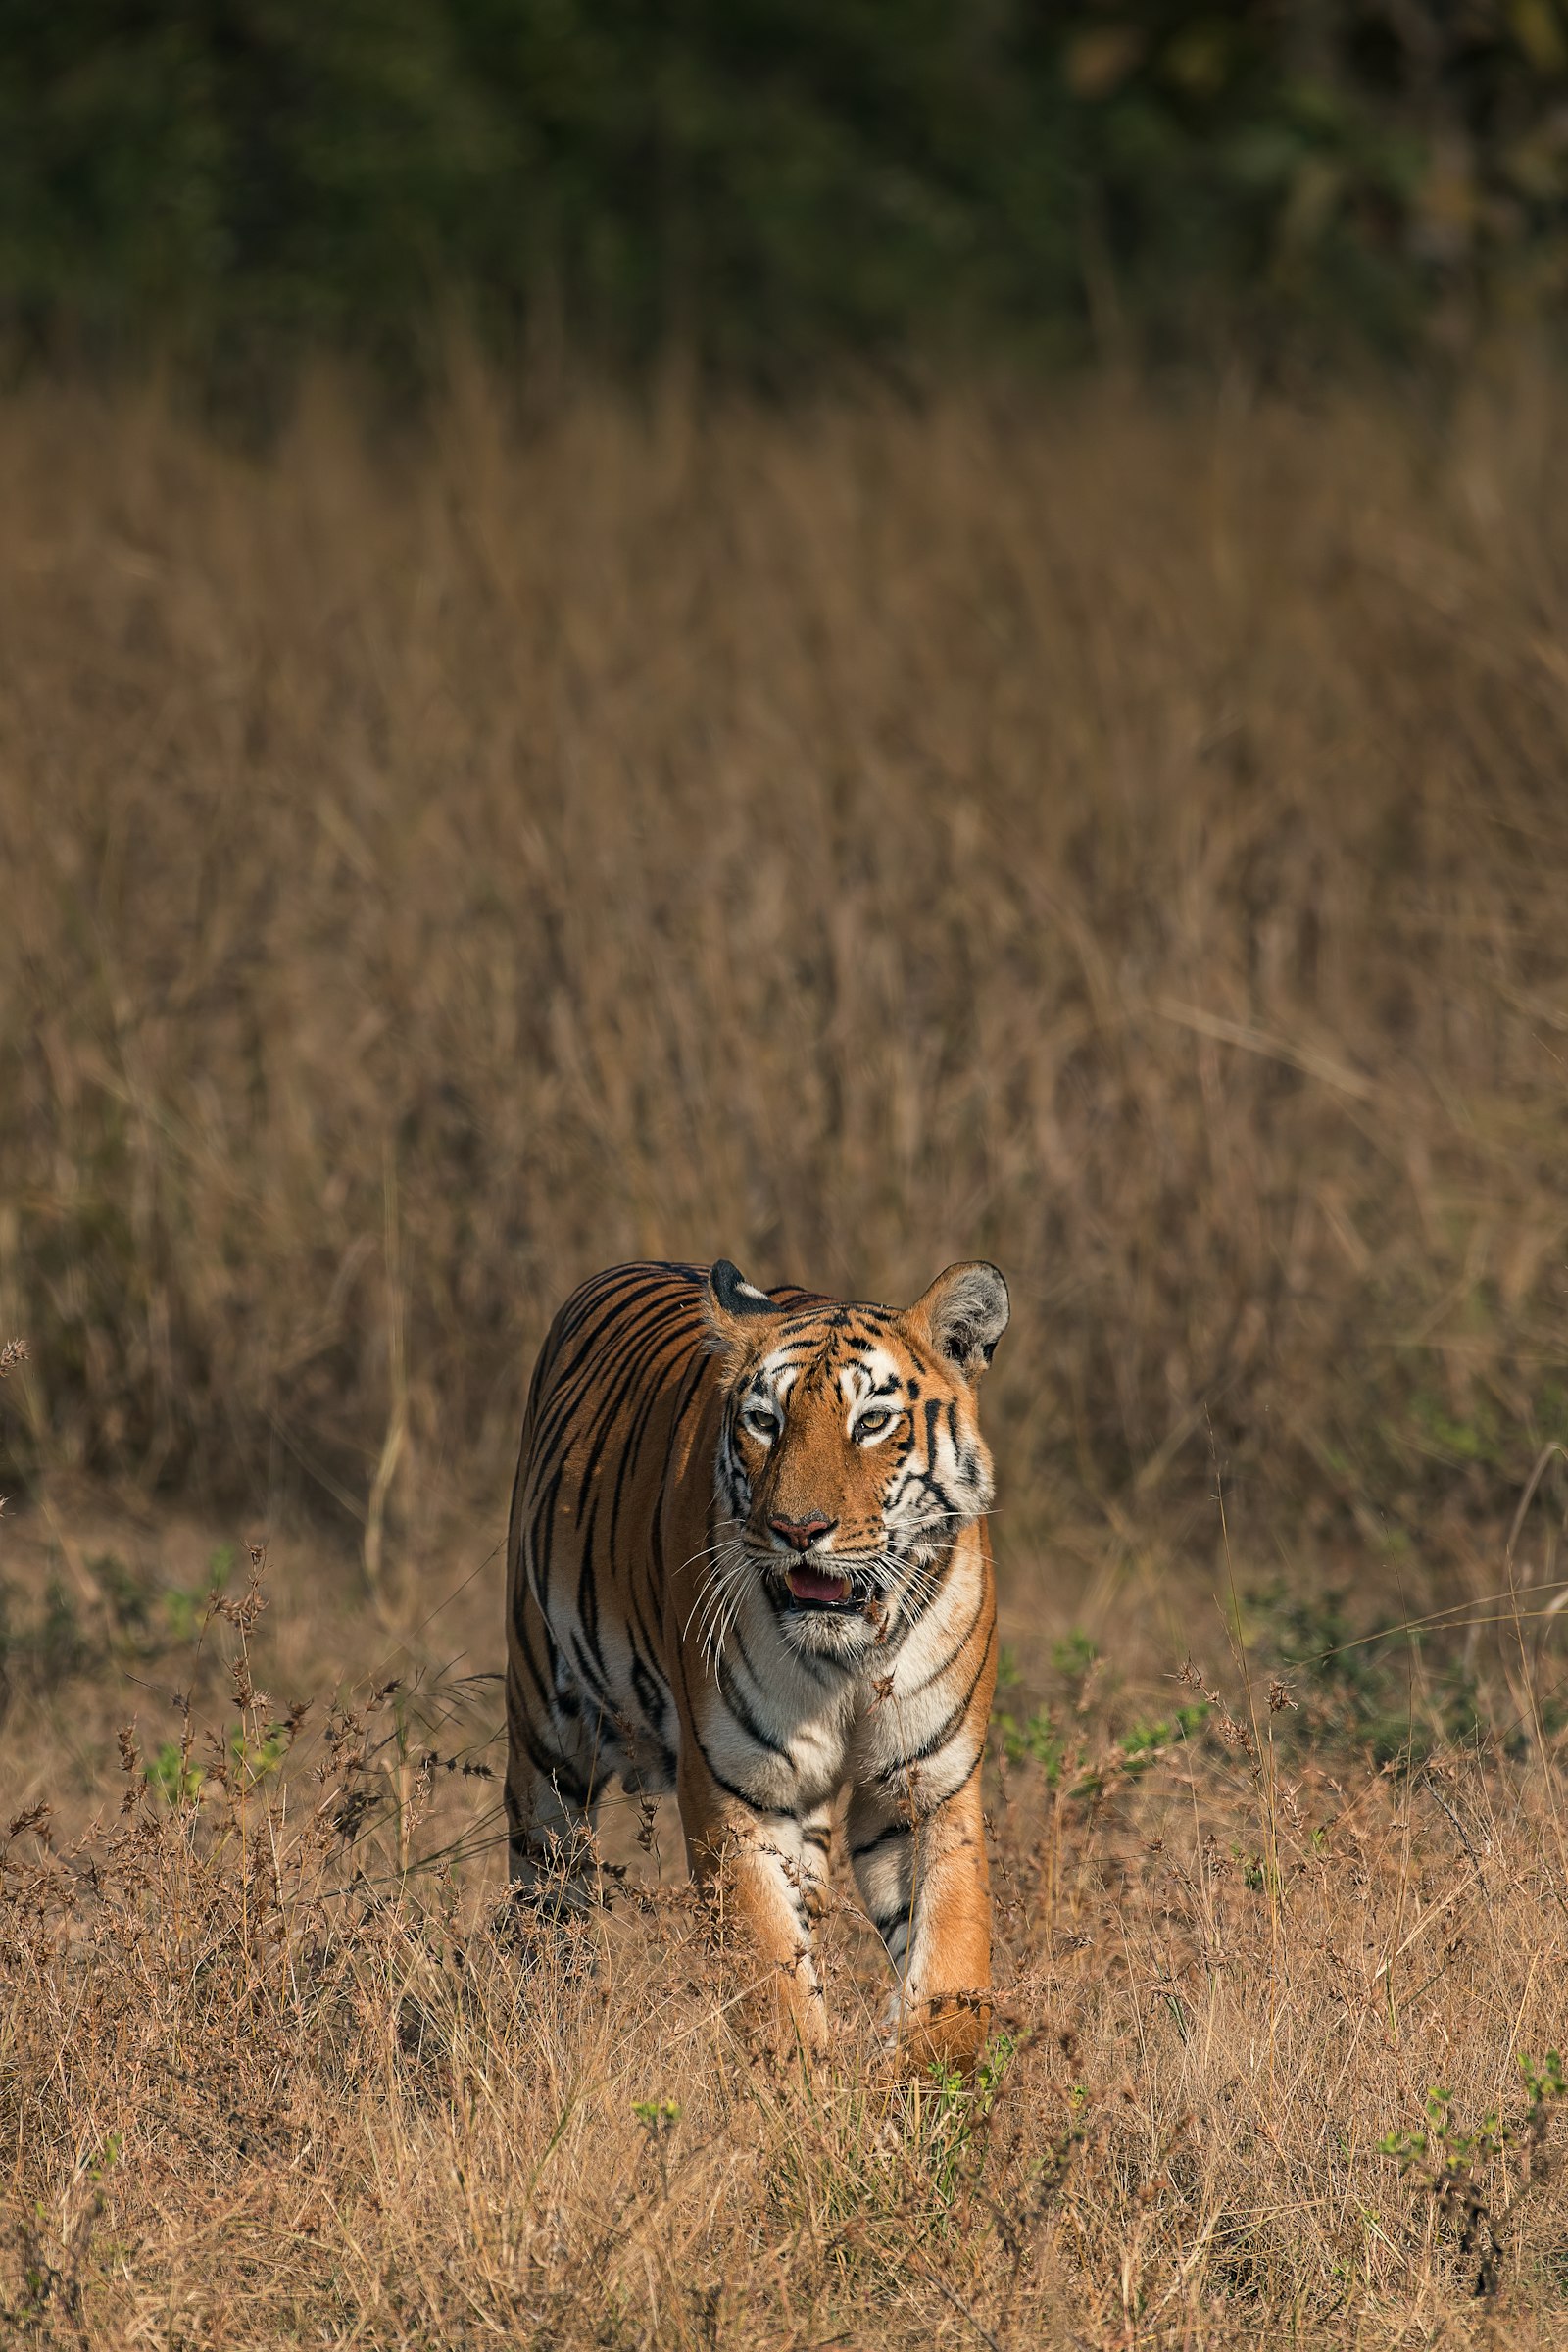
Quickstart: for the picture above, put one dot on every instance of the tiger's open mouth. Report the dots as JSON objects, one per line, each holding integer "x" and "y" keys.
{"x": 818, "y": 1588}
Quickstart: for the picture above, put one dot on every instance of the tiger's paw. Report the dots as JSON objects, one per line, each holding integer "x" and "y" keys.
{"x": 947, "y": 2033}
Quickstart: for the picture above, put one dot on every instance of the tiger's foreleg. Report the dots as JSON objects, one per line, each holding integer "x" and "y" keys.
{"x": 924, "y": 1880}
{"x": 764, "y": 1873}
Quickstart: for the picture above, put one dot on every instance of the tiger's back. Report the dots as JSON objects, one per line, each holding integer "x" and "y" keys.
{"x": 615, "y": 1473}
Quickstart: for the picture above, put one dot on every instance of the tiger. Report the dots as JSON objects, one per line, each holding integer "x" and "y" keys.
{"x": 748, "y": 1561}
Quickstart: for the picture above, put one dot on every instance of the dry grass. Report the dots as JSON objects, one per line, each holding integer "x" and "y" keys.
{"x": 1130, "y": 847}
{"x": 1127, "y": 844}
{"x": 264, "y": 2083}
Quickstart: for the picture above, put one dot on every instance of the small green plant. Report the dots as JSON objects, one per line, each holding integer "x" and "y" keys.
{"x": 1074, "y": 1655}
{"x": 254, "y": 1759}
{"x": 1034, "y": 1739}
{"x": 1037, "y": 1738}
{"x": 187, "y": 1609}
{"x": 1357, "y": 1686}
{"x": 656, "y": 2115}
{"x": 1435, "y": 1430}
{"x": 949, "y": 2123}
{"x": 173, "y": 1774}
{"x": 1142, "y": 1743}
{"x": 1451, "y": 2164}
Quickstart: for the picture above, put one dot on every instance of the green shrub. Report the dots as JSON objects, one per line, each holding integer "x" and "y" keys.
{"x": 771, "y": 183}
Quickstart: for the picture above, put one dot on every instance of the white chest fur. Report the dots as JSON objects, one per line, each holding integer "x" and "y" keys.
{"x": 787, "y": 1732}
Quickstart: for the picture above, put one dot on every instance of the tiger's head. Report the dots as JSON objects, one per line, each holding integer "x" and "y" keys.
{"x": 850, "y": 1454}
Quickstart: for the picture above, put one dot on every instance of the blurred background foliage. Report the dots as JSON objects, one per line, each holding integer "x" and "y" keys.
{"x": 766, "y": 185}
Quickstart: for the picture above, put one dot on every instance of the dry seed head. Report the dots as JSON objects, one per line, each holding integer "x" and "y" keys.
{"x": 13, "y": 1354}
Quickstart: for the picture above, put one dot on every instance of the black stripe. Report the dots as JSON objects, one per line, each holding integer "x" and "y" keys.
{"x": 658, "y": 1388}
{"x": 557, "y": 1768}
{"x": 567, "y": 1390}
{"x": 542, "y": 1540}
{"x": 570, "y": 1370}
{"x": 948, "y": 1725}
{"x": 593, "y": 1674}
{"x": 752, "y": 1803}
{"x": 651, "y": 1648}
{"x": 656, "y": 1532}
{"x": 591, "y": 1293}
{"x": 522, "y": 1646}
{"x": 734, "y": 1698}
{"x": 735, "y": 1634}
{"x": 640, "y": 1364}
{"x": 895, "y": 1828}
{"x": 958, "y": 1647}
{"x": 651, "y": 1697}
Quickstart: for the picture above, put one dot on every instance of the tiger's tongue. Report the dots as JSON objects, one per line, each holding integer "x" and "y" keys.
{"x": 811, "y": 1584}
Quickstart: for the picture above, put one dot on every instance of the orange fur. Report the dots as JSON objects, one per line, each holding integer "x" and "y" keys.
{"x": 748, "y": 1560}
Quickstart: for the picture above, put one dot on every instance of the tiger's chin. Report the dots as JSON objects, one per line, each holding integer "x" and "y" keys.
{"x": 826, "y": 1612}
{"x": 847, "y": 1633}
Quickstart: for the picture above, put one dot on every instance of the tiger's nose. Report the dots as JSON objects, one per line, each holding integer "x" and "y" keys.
{"x": 801, "y": 1533}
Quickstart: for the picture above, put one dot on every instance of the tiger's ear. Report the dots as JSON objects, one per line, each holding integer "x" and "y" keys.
{"x": 963, "y": 1314}
{"x": 734, "y": 1306}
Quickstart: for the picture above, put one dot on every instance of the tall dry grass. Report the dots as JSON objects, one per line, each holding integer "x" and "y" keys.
{"x": 1127, "y": 843}
{"x": 1131, "y": 845}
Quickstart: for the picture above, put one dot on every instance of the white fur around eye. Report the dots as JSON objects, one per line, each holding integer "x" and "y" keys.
{"x": 875, "y": 1434}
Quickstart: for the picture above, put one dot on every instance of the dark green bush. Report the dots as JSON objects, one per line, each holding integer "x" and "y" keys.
{"x": 766, "y": 184}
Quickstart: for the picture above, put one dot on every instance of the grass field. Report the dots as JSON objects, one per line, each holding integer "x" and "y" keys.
{"x": 1128, "y": 842}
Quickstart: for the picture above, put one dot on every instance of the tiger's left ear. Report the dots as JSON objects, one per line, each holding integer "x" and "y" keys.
{"x": 732, "y": 1304}
{"x": 963, "y": 1314}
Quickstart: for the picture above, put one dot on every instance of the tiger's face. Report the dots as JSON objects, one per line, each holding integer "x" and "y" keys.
{"x": 850, "y": 1454}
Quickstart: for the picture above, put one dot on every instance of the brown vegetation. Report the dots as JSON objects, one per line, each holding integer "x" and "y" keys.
{"x": 276, "y": 2070}
{"x": 1128, "y": 845}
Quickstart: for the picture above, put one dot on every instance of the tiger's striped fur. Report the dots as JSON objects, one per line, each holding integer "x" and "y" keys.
{"x": 748, "y": 1561}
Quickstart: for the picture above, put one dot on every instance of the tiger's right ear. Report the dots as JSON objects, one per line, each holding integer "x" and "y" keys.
{"x": 733, "y": 1306}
